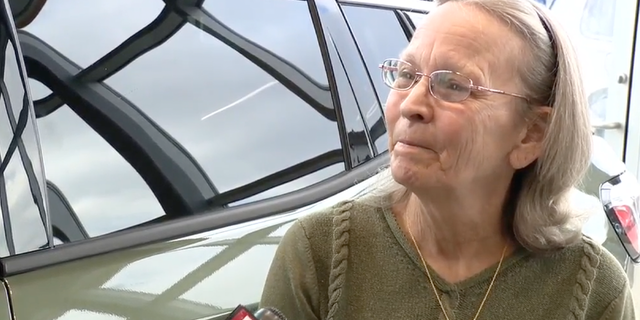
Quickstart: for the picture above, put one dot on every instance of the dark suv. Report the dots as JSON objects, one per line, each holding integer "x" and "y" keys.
{"x": 154, "y": 152}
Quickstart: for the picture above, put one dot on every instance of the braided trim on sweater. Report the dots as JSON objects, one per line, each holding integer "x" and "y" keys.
{"x": 588, "y": 265}
{"x": 338, "y": 271}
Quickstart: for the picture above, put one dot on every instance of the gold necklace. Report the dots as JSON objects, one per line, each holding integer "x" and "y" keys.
{"x": 433, "y": 286}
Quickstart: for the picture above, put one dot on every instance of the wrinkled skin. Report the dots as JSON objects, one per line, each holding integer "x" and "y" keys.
{"x": 479, "y": 141}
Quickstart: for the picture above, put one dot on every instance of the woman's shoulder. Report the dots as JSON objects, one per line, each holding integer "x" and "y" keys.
{"x": 326, "y": 234}
{"x": 342, "y": 216}
{"x": 595, "y": 262}
{"x": 594, "y": 273}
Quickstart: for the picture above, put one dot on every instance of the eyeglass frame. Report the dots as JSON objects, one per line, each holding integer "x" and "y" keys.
{"x": 421, "y": 75}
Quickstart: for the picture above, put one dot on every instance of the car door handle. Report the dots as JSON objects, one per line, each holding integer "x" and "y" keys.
{"x": 607, "y": 125}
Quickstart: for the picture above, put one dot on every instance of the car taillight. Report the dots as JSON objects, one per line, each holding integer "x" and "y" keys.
{"x": 620, "y": 198}
{"x": 627, "y": 223}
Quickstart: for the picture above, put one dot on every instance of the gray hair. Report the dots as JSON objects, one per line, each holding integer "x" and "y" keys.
{"x": 538, "y": 211}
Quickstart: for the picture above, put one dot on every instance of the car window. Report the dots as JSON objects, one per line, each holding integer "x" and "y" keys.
{"x": 102, "y": 188}
{"x": 21, "y": 187}
{"x": 250, "y": 104}
{"x": 90, "y": 23}
{"x": 379, "y": 36}
{"x": 237, "y": 120}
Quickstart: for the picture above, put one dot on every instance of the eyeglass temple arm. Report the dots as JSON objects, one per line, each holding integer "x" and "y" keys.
{"x": 480, "y": 88}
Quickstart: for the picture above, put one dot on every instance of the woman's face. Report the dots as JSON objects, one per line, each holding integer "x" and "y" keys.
{"x": 482, "y": 139}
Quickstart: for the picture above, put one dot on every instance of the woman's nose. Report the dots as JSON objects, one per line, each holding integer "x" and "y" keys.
{"x": 417, "y": 106}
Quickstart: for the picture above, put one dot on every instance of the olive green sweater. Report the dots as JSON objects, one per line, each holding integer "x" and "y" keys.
{"x": 353, "y": 262}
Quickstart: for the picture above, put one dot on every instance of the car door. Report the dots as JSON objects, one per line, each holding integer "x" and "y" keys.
{"x": 179, "y": 143}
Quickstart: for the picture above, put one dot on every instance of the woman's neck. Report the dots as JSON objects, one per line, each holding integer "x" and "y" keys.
{"x": 456, "y": 231}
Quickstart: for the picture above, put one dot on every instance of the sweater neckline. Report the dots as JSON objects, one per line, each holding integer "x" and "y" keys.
{"x": 440, "y": 283}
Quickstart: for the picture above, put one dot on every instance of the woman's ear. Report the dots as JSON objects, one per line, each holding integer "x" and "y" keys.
{"x": 529, "y": 147}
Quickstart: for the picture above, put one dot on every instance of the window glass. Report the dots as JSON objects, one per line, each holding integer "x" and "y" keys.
{"x": 254, "y": 109}
{"x": 359, "y": 146}
{"x": 379, "y": 36}
{"x": 240, "y": 122}
{"x": 597, "y": 18}
{"x": 21, "y": 192}
{"x": 5, "y": 137}
{"x": 268, "y": 14}
{"x": 30, "y": 134}
{"x": 26, "y": 223}
{"x": 589, "y": 24}
{"x": 79, "y": 23}
{"x": 416, "y": 18}
{"x": 103, "y": 189}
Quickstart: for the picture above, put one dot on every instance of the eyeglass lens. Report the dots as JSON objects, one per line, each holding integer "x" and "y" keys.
{"x": 444, "y": 85}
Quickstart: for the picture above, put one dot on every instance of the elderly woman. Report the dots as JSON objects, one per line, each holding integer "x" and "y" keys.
{"x": 488, "y": 132}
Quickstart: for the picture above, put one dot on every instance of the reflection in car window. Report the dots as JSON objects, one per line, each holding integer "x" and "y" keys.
{"x": 103, "y": 189}
{"x": 21, "y": 192}
{"x": 251, "y": 105}
{"x": 79, "y": 23}
{"x": 379, "y": 36}
{"x": 268, "y": 15}
{"x": 597, "y": 19}
{"x": 26, "y": 222}
{"x": 237, "y": 120}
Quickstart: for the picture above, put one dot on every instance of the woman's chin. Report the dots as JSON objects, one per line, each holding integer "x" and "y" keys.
{"x": 410, "y": 176}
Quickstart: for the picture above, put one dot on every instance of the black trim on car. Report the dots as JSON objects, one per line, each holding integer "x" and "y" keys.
{"x": 337, "y": 26}
{"x": 373, "y": 129}
{"x": 278, "y": 178}
{"x": 186, "y": 226}
{"x": 333, "y": 83}
{"x": 406, "y": 23}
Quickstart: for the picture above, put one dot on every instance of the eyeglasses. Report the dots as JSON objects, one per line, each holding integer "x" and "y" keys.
{"x": 443, "y": 84}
